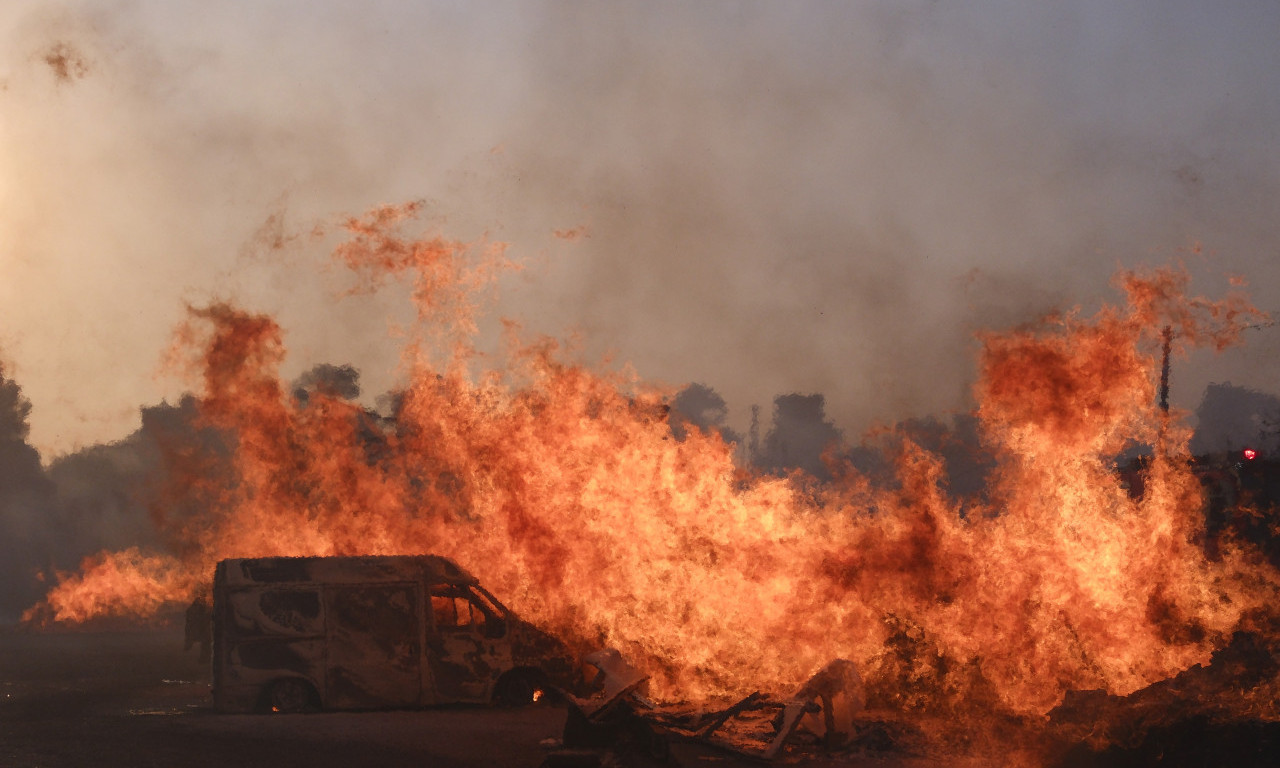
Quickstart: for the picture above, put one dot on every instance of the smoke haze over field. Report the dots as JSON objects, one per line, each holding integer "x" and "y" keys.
{"x": 805, "y": 197}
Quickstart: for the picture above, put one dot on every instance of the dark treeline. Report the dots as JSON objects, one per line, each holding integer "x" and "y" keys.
{"x": 114, "y": 496}
{"x": 27, "y": 497}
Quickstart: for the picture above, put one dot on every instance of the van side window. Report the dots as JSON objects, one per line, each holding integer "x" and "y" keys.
{"x": 285, "y": 612}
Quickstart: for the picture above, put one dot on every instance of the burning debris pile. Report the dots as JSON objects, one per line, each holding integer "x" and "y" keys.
{"x": 563, "y": 489}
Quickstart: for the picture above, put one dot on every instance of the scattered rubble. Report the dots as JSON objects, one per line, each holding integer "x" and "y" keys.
{"x": 619, "y": 726}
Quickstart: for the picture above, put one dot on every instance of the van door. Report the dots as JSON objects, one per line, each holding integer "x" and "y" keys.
{"x": 374, "y": 653}
{"x": 469, "y": 649}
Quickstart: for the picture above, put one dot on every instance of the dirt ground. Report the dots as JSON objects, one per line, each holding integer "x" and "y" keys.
{"x": 134, "y": 698}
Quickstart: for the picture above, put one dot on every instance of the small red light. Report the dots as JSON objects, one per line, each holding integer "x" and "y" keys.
{"x": 1249, "y": 454}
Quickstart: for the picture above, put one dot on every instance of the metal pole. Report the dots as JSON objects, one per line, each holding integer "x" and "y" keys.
{"x": 1167, "y": 336}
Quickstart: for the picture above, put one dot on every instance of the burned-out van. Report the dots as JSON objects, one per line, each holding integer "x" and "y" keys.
{"x": 299, "y": 633}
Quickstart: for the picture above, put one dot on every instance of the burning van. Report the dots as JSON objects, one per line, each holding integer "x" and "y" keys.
{"x": 293, "y": 634}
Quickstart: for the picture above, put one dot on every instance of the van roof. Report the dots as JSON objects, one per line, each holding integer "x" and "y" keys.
{"x": 238, "y": 572}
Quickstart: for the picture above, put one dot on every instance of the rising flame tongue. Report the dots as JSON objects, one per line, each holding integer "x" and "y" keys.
{"x": 563, "y": 489}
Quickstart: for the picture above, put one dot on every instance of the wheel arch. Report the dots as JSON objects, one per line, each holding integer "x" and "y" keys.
{"x": 508, "y": 689}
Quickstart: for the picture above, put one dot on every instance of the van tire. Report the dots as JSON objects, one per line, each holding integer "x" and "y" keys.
{"x": 290, "y": 695}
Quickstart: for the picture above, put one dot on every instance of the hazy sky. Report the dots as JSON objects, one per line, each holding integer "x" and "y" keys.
{"x": 779, "y": 197}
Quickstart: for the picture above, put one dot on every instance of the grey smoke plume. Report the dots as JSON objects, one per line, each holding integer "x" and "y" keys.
{"x": 770, "y": 197}
{"x": 1230, "y": 418}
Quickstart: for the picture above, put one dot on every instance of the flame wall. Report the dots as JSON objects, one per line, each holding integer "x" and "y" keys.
{"x": 564, "y": 490}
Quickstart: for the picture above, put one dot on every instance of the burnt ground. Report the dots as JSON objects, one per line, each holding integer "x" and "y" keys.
{"x": 134, "y": 698}
{"x": 1203, "y": 716}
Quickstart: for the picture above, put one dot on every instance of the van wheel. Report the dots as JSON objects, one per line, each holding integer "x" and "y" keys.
{"x": 520, "y": 689}
{"x": 289, "y": 696}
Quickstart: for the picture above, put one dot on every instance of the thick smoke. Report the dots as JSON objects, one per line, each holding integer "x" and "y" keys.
{"x": 1230, "y": 418}
{"x": 768, "y": 198}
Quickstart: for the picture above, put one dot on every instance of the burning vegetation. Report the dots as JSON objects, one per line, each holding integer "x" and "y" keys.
{"x": 565, "y": 491}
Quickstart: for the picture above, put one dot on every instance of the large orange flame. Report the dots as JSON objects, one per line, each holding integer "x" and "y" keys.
{"x": 564, "y": 490}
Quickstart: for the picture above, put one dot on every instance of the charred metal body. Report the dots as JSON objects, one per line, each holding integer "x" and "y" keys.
{"x": 300, "y": 633}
